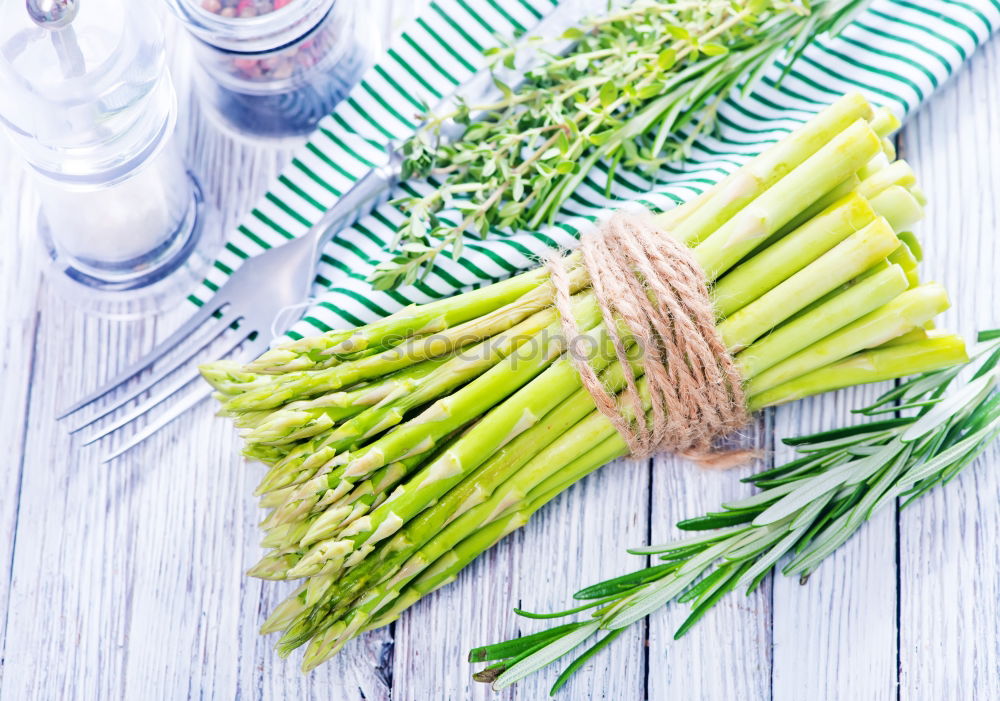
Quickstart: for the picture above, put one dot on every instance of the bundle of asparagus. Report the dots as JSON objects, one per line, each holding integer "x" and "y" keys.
{"x": 401, "y": 450}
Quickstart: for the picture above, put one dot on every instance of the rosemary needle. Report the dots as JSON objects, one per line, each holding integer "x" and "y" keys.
{"x": 808, "y": 508}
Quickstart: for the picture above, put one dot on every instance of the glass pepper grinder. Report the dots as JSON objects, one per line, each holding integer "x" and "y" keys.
{"x": 87, "y": 101}
{"x": 274, "y": 68}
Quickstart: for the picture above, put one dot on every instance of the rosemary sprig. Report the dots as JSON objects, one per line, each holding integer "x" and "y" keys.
{"x": 634, "y": 80}
{"x": 808, "y": 508}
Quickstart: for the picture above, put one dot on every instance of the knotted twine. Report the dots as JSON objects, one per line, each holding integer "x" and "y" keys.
{"x": 653, "y": 284}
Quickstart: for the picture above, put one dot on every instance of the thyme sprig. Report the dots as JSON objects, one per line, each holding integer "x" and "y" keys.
{"x": 808, "y": 508}
{"x": 638, "y": 86}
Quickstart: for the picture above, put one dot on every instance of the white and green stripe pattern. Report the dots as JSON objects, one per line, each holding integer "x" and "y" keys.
{"x": 896, "y": 53}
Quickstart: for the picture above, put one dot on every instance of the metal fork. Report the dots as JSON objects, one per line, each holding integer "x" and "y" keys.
{"x": 276, "y": 280}
{"x": 249, "y": 302}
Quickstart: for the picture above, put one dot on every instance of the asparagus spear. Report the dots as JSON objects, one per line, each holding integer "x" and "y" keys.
{"x": 464, "y": 539}
{"x": 757, "y": 176}
{"x": 547, "y": 465}
{"x": 396, "y": 455}
{"x": 845, "y": 261}
{"x": 316, "y": 351}
{"x": 809, "y": 507}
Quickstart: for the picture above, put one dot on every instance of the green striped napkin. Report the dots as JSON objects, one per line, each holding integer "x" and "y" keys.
{"x": 896, "y": 53}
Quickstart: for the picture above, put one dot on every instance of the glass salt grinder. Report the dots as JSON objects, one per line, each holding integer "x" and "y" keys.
{"x": 274, "y": 68}
{"x": 87, "y": 101}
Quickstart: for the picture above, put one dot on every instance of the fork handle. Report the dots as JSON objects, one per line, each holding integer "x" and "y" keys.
{"x": 350, "y": 207}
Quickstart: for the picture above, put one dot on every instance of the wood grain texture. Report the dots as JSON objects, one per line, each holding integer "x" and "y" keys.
{"x": 125, "y": 581}
{"x": 728, "y": 654}
{"x": 949, "y": 565}
{"x": 835, "y": 637}
{"x": 564, "y": 547}
{"x": 19, "y": 283}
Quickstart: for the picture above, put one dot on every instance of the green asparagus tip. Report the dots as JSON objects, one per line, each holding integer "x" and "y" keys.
{"x": 272, "y": 567}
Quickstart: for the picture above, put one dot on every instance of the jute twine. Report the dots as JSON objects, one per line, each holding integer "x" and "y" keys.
{"x": 653, "y": 285}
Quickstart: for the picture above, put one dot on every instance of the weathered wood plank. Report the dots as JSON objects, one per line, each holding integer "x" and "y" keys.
{"x": 232, "y": 658}
{"x": 949, "y": 564}
{"x": 128, "y": 582}
{"x": 578, "y": 539}
{"x": 835, "y": 637}
{"x": 728, "y": 654}
{"x": 129, "y": 577}
{"x": 20, "y": 282}
{"x": 68, "y": 608}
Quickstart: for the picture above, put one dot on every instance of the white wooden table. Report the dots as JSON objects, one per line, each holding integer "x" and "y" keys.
{"x": 126, "y": 580}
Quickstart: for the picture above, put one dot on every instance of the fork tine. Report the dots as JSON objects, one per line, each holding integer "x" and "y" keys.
{"x": 160, "y": 374}
{"x": 170, "y": 390}
{"x": 158, "y": 352}
{"x": 143, "y": 407}
{"x": 195, "y": 396}
{"x": 160, "y": 397}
